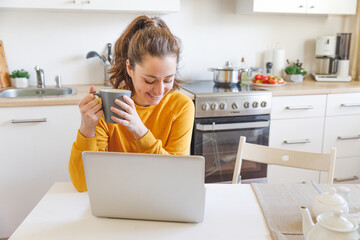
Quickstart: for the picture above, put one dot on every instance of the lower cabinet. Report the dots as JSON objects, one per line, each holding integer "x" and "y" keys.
{"x": 301, "y": 123}
{"x": 295, "y": 134}
{"x": 35, "y": 148}
{"x": 347, "y": 169}
{"x": 343, "y": 132}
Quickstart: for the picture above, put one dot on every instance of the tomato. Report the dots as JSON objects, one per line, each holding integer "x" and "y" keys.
{"x": 258, "y": 81}
{"x": 265, "y": 81}
{"x": 254, "y": 81}
{"x": 265, "y": 78}
{"x": 273, "y": 81}
{"x": 258, "y": 76}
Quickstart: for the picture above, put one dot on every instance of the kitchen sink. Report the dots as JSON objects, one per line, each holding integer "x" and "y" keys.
{"x": 37, "y": 92}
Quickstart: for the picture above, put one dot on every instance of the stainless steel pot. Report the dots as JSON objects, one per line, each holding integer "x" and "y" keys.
{"x": 226, "y": 75}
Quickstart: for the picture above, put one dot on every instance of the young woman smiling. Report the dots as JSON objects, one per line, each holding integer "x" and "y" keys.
{"x": 156, "y": 119}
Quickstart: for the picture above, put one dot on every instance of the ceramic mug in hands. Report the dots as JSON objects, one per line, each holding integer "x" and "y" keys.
{"x": 108, "y": 97}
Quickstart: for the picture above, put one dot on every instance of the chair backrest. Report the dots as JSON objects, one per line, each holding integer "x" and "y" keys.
{"x": 284, "y": 157}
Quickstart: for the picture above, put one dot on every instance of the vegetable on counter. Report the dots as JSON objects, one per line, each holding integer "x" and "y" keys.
{"x": 296, "y": 68}
{"x": 264, "y": 79}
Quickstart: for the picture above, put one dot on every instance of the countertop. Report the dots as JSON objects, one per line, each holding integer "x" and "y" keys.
{"x": 307, "y": 87}
{"x": 81, "y": 91}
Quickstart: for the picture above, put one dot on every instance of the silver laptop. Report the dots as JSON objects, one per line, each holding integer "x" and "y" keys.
{"x": 145, "y": 186}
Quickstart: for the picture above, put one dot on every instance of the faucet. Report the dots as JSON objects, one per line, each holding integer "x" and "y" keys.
{"x": 40, "y": 77}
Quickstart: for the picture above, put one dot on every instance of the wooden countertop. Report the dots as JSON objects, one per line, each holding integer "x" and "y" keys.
{"x": 307, "y": 87}
{"x": 311, "y": 87}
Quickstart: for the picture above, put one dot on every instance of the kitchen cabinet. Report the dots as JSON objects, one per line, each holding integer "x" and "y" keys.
{"x": 342, "y": 130}
{"x": 157, "y": 6}
{"x": 317, "y": 123}
{"x": 297, "y": 123}
{"x": 297, "y": 6}
{"x": 35, "y": 149}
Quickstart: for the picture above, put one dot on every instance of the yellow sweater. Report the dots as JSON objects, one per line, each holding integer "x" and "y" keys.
{"x": 170, "y": 126}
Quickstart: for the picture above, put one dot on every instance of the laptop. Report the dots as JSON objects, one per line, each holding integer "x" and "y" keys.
{"x": 145, "y": 186}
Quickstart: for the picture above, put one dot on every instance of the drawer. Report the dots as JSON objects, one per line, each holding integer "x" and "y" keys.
{"x": 342, "y": 132}
{"x": 297, "y": 134}
{"x": 347, "y": 168}
{"x": 280, "y": 174}
{"x": 298, "y": 106}
{"x": 343, "y": 104}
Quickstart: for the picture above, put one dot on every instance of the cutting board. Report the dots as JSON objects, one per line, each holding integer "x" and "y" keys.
{"x": 4, "y": 73}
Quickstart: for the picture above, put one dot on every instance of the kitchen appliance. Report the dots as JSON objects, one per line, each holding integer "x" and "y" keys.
{"x": 4, "y": 73}
{"x": 332, "y": 58}
{"x": 222, "y": 115}
{"x": 342, "y": 52}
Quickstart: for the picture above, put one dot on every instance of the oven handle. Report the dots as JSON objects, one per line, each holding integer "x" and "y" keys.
{"x": 231, "y": 126}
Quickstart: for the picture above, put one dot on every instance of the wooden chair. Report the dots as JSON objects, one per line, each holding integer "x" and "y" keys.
{"x": 283, "y": 157}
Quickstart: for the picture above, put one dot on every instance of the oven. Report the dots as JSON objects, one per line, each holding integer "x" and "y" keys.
{"x": 222, "y": 115}
{"x": 217, "y": 139}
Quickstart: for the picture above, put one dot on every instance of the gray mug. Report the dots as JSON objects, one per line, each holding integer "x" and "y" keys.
{"x": 108, "y": 97}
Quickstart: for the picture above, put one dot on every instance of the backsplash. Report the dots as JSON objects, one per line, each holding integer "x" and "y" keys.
{"x": 211, "y": 34}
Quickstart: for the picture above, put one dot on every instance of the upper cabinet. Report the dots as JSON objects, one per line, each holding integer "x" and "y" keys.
{"x": 155, "y": 6}
{"x": 297, "y": 6}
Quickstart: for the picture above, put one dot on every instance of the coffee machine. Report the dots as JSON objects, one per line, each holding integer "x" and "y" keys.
{"x": 332, "y": 58}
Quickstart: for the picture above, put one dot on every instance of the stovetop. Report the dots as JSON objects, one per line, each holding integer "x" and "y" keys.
{"x": 213, "y": 100}
{"x": 209, "y": 87}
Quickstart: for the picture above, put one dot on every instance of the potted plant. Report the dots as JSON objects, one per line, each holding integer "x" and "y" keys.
{"x": 19, "y": 78}
{"x": 295, "y": 72}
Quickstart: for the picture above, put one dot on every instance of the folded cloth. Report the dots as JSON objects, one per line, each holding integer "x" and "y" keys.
{"x": 280, "y": 204}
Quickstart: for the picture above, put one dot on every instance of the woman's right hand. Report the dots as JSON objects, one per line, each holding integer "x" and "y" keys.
{"x": 91, "y": 112}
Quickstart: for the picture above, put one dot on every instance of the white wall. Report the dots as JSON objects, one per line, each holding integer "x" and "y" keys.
{"x": 211, "y": 32}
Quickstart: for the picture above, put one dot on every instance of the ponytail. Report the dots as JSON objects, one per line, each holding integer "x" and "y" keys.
{"x": 143, "y": 36}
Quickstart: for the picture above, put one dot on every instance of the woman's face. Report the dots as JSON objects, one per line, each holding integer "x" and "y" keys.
{"x": 153, "y": 79}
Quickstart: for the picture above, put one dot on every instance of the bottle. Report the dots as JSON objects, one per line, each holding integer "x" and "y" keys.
{"x": 244, "y": 70}
{"x": 269, "y": 66}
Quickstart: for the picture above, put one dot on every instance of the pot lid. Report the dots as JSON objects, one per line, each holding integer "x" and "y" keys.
{"x": 331, "y": 198}
{"x": 228, "y": 66}
{"x": 336, "y": 222}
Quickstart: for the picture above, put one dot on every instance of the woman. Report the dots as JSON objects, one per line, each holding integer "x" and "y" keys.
{"x": 157, "y": 119}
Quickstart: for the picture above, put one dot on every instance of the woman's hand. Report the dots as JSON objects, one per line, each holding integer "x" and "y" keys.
{"x": 90, "y": 109}
{"x": 131, "y": 119}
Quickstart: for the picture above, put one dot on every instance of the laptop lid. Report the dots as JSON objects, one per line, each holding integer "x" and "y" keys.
{"x": 145, "y": 186}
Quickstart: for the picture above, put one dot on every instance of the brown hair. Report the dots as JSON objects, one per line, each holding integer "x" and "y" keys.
{"x": 143, "y": 36}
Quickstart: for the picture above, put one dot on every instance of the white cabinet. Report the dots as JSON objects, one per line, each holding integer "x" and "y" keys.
{"x": 316, "y": 123}
{"x": 331, "y": 7}
{"x": 342, "y": 130}
{"x": 297, "y": 6}
{"x": 297, "y": 124}
{"x": 35, "y": 148}
{"x": 156, "y": 6}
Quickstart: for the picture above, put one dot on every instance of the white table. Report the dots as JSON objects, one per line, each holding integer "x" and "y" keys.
{"x": 231, "y": 212}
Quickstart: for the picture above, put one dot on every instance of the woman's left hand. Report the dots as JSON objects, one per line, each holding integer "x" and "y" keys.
{"x": 131, "y": 119}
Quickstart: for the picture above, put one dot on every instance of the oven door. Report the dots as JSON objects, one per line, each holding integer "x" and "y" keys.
{"x": 217, "y": 139}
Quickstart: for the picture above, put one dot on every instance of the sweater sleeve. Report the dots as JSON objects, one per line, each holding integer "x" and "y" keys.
{"x": 97, "y": 143}
{"x": 180, "y": 135}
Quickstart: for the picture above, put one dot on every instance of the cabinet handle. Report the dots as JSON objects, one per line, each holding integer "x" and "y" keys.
{"x": 29, "y": 120}
{"x": 300, "y": 107}
{"x": 348, "y": 138}
{"x": 87, "y": 2}
{"x": 350, "y": 105}
{"x": 297, "y": 141}
{"x": 346, "y": 179}
{"x": 312, "y": 7}
{"x": 301, "y": 6}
